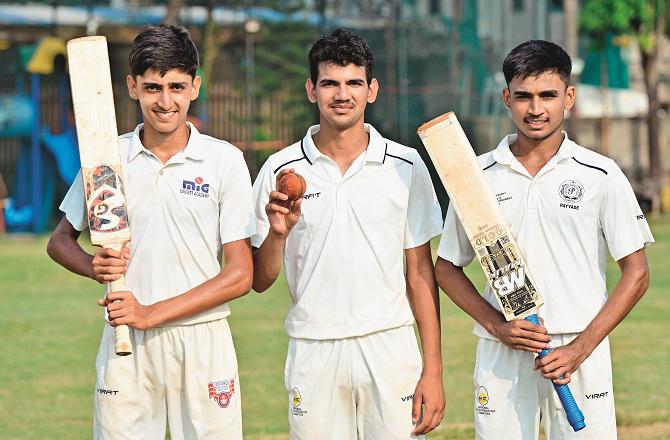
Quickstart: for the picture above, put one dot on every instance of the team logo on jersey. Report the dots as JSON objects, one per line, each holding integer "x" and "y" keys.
{"x": 222, "y": 391}
{"x": 483, "y": 402}
{"x": 296, "y": 401}
{"x": 197, "y": 187}
{"x": 571, "y": 191}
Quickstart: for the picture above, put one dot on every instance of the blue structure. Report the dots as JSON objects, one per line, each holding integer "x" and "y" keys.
{"x": 37, "y": 173}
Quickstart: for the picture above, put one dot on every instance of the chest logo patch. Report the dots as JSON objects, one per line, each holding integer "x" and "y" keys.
{"x": 571, "y": 191}
{"x": 197, "y": 187}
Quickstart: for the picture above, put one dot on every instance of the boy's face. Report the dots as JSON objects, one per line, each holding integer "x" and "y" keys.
{"x": 537, "y": 104}
{"x": 341, "y": 93}
{"x": 164, "y": 99}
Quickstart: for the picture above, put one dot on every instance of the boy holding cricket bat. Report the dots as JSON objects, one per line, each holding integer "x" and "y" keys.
{"x": 189, "y": 202}
{"x": 567, "y": 207}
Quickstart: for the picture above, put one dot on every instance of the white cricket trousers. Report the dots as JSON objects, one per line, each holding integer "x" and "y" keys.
{"x": 353, "y": 388}
{"x": 183, "y": 376}
{"x": 510, "y": 397}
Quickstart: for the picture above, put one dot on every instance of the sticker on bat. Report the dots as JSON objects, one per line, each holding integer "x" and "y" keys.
{"x": 105, "y": 200}
{"x": 506, "y": 272}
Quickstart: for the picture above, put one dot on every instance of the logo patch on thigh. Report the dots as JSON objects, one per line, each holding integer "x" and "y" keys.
{"x": 222, "y": 391}
{"x": 296, "y": 401}
{"x": 482, "y": 401}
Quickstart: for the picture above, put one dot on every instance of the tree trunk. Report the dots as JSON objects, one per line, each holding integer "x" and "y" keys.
{"x": 570, "y": 25}
{"x": 649, "y": 61}
{"x": 651, "y": 83}
{"x": 172, "y": 13}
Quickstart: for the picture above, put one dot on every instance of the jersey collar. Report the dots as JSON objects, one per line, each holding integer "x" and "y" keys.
{"x": 374, "y": 153}
{"x": 193, "y": 150}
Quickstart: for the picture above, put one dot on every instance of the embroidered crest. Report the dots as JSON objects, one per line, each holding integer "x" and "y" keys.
{"x": 571, "y": 191}
{"x": 222, "y": 391}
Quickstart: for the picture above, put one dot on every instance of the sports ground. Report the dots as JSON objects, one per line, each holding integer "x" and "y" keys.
{"x": 50, "y": 327}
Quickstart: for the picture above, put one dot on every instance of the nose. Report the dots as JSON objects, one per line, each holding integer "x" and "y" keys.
{"x": 536, "y": 107}
{"x": 342, "y": 92}
{"x": 165, "y": 100}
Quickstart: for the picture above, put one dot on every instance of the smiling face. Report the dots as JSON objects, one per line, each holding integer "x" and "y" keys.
{"x": 537, "y": 104}
{"x": 164, "y": 99}
{"x": 341, "y": 93}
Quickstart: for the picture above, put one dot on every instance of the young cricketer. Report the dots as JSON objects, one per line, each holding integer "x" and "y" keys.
{"x": 358, "y": 263}
{"x": 189, "y": 202}
{"x": 567, "y": 207}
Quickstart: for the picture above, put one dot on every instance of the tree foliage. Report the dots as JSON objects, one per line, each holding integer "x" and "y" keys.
{"x": 635, "y": 18}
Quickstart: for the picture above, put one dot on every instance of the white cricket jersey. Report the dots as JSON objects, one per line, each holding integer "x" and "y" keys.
{"x": 344, "y": 259}
{"x": 180, "y": 213}
{"x": 565, "y": 219}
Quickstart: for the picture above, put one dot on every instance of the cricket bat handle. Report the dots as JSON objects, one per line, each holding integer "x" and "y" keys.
{"x": 575, "y": 415}
{"x": 123, "y": 345}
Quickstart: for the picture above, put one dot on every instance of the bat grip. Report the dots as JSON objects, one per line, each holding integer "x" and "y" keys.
{"x": 572, "y": 411}
{"x": 123, "y": 346}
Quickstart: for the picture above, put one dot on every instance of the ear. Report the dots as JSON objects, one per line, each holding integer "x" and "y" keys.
{"x": 132, "y": 87}
{"x": 570, "y": 97}
{"x": 311, "y": 90}
{"x": 197, "y": 81}
{"x": 507, "y": 99}
{"x": 374, "y": 89}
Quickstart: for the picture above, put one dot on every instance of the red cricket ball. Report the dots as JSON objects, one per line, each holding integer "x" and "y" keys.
{"x": 293, "y": 185}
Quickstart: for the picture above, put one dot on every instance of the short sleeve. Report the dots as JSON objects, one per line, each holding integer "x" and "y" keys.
{"x": 261, "y": 195}
{"x": 454, "y": 243}
{"x": 74, "y": 204}
{"x": 236, "y": 220}
{"x": 424, "y": 215}
{"x": 623, "y": 224}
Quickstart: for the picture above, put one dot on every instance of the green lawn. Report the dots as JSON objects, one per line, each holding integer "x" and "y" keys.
{"x": 51, "y": 325}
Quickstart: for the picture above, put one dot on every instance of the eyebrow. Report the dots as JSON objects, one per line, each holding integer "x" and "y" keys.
{"x": 171, "y": 84}
{"x": 327, "y": 81}
{"x": 542, "y": 94}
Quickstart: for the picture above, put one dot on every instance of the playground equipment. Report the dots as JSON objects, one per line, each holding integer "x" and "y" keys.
{"x": 32, "y": 199}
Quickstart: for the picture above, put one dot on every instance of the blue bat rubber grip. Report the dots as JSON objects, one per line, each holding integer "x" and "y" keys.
{"x": 575, "y": 416}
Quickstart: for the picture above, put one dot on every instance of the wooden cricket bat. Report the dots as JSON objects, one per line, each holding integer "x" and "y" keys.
{"x": 99, "y": 152}
{"x": 489, "y": 234}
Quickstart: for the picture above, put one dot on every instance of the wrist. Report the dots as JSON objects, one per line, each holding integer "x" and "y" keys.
{"x": 150, "y": 318}
{"x": 432, "y": 369}
{"x": 582, "y": 347}
{"x": 493, "y": 327}
{"x": 278, "y": 235}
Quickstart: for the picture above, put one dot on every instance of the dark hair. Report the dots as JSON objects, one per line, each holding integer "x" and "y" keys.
{"x": 341, "y": 47}
{"x": 535, "y": 57}
{"x": 162, "y": 48}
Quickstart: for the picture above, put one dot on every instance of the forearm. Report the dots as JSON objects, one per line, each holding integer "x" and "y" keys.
{"x": 626, "y": 293}
{"x": 424, "y": 300}
{"x": 267, "y": 262}
{"x": 464, "y": 294}
{"x": 64, "y": 249}
{"x": 426, "y": 313}
{"x": 230, "y": 283}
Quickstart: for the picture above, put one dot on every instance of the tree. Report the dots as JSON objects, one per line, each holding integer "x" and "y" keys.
{"x": 646, "y": 21}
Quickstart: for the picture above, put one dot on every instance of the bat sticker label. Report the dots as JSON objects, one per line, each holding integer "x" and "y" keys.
{"x": 105, "y": 200}
{"x": 506, "y": 272}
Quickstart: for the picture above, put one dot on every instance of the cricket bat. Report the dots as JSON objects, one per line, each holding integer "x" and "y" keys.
{"x": 98, "y": 140}
{"x": 489, "y": 234}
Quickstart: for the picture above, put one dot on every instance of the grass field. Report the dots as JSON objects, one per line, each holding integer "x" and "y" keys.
{"x": 51, "y": 327}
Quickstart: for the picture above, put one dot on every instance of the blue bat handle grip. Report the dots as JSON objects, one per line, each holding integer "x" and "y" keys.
{"x": 575, "y": 416}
